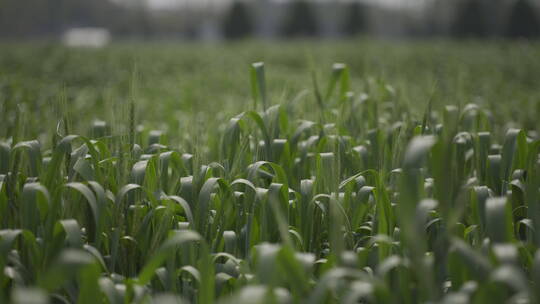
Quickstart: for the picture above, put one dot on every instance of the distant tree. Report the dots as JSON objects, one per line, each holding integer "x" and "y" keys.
{"x": 470, "y": 20}
{"x": 355, "y": 20}
{"x": 523, "y": 21}
{"x": 237, "y": 22}
{"x": 300, "y": 20}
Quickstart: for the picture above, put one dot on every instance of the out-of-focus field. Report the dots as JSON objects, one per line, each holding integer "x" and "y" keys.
{"x": 409, "y": 175}
{"x": 186, "y": 88}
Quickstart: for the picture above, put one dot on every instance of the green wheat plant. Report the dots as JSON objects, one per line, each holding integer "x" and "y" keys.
{"x": 360, "y": 203}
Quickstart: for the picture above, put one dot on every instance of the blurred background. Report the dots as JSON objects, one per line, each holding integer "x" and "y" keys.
{"x": 186, "y": 62}
{"x": 215, "y": 20}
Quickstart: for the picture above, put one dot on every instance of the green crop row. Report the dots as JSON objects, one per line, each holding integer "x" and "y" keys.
{"x": 363, "y": 204}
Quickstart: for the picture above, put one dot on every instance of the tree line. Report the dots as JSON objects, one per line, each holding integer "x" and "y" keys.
{"x": 300, "y": 21}
{"x": 478, "y": 19}
{"x": 469, "y": 19}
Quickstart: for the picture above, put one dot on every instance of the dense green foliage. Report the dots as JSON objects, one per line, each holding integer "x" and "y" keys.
{"x": 411, "y": 188}
{"x": 181, "y": 89}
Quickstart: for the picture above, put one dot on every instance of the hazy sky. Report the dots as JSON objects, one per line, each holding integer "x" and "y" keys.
{"x": 169, "y": 3}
